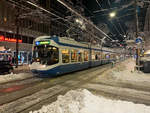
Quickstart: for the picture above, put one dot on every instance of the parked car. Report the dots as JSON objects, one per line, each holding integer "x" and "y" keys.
{"x": 145, "y": 62}
{"x": 5, "y": 62}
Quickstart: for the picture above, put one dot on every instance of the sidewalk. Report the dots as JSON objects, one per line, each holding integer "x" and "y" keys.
{"x": 22, "y": 69}
{"x": 20, "y": 73}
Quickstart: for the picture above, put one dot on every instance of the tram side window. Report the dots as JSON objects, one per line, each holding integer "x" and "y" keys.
{"x": 93, "y": 55}
{"x": 53, "y": 55}
{"x": 99, "y": 56}
{"x": 80, "y": 57}
{"x": 107, "y": 56}
{"x": 103, "y": 56}
{"x": 73, "y": 55}
{"x": 85, "y": 56}
{"x": 65, "y": 56}
{"x": 96, "y": 56}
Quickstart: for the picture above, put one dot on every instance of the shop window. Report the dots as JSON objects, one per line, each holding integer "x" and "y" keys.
{"x": 65, "y": 56}
{"x": 74, "y": 56}
{"x": 86, "y": 56}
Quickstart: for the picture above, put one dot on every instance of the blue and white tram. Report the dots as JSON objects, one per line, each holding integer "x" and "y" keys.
{"x": 59, "y": 55}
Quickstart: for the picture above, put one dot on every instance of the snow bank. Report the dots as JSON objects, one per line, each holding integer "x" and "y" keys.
{"x": 12, "y": 77}
{"x": 131, "y": 76}
{"x": 82, "y": 101}
{"x": 128, "y": 73}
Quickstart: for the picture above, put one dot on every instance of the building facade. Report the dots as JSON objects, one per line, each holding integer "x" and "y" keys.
{"x": 32, "y": 24}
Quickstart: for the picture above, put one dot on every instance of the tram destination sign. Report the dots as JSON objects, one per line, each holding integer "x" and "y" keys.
{"x": 42, "y": 42}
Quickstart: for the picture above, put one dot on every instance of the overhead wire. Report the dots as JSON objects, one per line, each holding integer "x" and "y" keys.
{"x": 89, "y": 22}
{"x": 55, "y": 16}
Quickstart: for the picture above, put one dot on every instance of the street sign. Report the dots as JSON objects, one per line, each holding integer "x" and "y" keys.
{"x": 138, "y": 40}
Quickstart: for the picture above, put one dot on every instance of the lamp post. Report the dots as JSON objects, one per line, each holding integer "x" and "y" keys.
{"x": 137, "y": 30}
{"x": 17, "y": 36}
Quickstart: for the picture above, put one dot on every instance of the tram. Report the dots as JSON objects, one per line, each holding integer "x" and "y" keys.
{"x": 54, "y": 55}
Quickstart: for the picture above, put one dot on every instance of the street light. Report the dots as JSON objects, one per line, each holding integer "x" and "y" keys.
{"x": 80, "y": 21}
{"x": 112, "y": 14}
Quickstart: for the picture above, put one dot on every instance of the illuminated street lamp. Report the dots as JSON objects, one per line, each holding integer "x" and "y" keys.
{"x": 79, "y": 21}
{"x": 112, "y": 14}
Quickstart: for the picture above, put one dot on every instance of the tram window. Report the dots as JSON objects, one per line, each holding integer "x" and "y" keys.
{"x": 85, "y": 56}
{"x": 99, "y": 55}
{"x": 111, "y": 56}
{"x": 93, "y": 55}
{"x": 79, "y": 57}
{"x": 96, "y": 57}
{"x": 65, "y": 56}
{"x": 107, "y": 56}
{"x": 47, "y": 55}
{"x": 73, "y": 55}
{"x": 103, "y": 55}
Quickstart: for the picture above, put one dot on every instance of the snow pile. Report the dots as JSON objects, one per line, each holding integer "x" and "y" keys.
{"x": 131, "y": 76}
{"x": 12, "y": 77}
{"x": 82, "y": 101}
{"x": 129, "y": 64}
{"x": 128, "y": 73}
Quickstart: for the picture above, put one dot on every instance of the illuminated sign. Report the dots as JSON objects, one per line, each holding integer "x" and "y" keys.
{"x": 42, "y": 42}
{"x": 2, "y": 38}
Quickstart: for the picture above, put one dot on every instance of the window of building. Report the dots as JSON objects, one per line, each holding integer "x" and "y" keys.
{"x": 65, "y": 56}
{"x": 30, "y": 40}
{"x": 86, "y": 56}
{"x": 24, "y": 39}
{"x": 73, "y": 55}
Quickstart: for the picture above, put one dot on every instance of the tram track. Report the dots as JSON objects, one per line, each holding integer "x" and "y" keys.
{"x": 42, "y": 85}
{"x": 137, "y": 93}
{"x": 119, "y": 93}
{"x": 16, "y": 81}
{"x": 109, "y": 90}
{"x": 66, "y": 86}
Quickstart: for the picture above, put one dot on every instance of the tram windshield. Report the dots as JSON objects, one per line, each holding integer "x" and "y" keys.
{"x": 46, "y": 54}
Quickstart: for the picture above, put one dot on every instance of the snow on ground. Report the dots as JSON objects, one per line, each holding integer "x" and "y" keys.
{"x": 12, "y": 77}
{"x": 126, "y": 71}
{"x": 83, "y": 101}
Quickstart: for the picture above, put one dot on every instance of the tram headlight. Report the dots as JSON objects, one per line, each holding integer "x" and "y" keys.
{"x": 43, "y": 66}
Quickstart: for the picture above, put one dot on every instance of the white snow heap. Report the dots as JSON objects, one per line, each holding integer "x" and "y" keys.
{"x": 82, "y": 101}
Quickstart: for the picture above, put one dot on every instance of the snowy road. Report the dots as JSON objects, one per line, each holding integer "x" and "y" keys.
{"x": 97, "y": 80}
{"x": 46, "y": 91}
